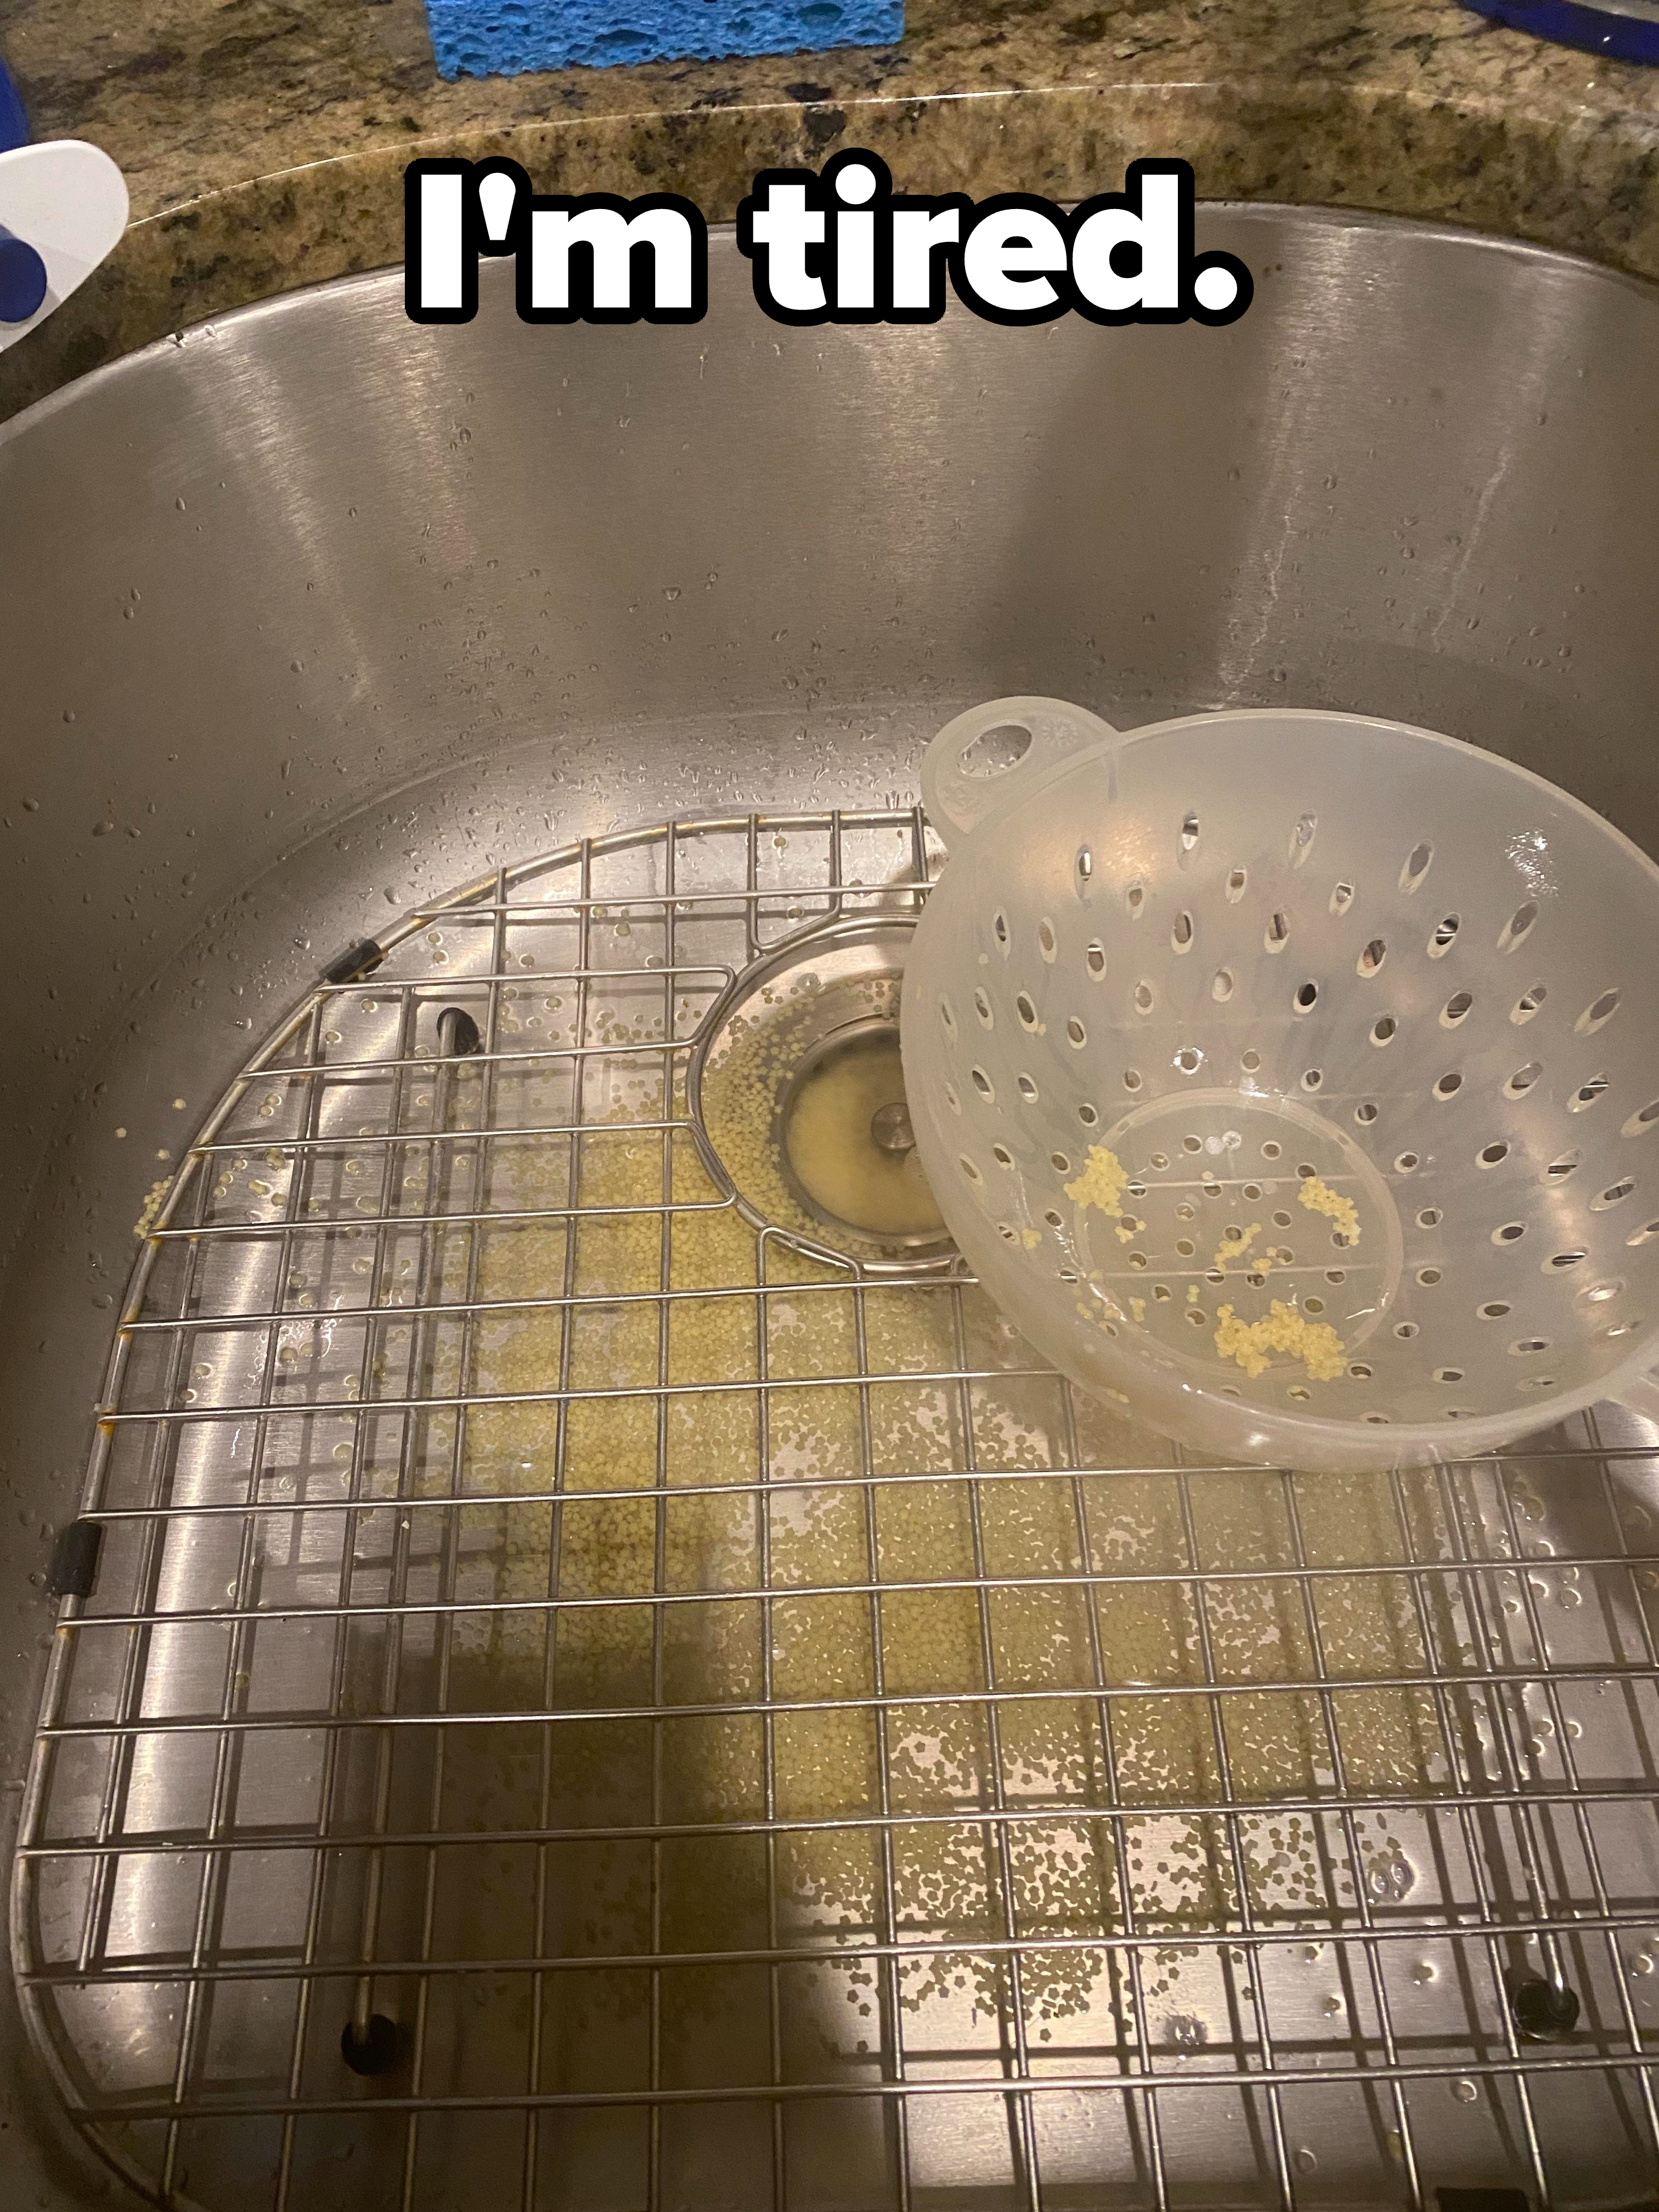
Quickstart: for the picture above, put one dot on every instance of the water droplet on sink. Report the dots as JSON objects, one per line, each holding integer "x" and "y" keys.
{"x": 1391, "y": 1878}
{"x": 1423, "y": 1972}
{"x": 1187, "y": 2032}
{"x": 1306, "y": 2158}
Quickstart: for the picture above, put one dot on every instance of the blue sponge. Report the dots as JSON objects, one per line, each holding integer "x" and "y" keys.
{"x": 499, "y": 37}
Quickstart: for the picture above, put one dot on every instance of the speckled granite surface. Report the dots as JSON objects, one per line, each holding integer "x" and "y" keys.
{"x": 264, "y": 142}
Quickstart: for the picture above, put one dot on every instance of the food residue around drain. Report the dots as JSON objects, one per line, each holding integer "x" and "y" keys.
{"x": 837, "y": 1161}
{"x": 1316, "y": 1194}
{"x": 836, "y": 1183}
{"x": 1280, "y": 1329}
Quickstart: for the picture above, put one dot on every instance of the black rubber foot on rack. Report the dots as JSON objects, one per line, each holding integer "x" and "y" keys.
{"x": 373, "y": 2052}
{"x": 1542, "y": 2013}
{"x": 357, "y": 961}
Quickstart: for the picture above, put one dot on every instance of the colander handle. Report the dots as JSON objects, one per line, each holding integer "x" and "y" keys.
{"x": 957, "y": 796}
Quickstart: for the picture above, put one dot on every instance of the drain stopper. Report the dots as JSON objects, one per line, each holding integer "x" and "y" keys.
{"x": 890, "y": 1130}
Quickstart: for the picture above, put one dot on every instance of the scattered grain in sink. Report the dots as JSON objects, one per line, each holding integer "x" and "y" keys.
{"x": 930, "y": 1639}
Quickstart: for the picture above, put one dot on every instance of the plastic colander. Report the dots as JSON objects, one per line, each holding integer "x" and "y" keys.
{"x": 1292, "y": 1076}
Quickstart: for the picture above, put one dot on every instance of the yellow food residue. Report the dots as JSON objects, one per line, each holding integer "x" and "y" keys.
{"x": 1192, "y": 1294}
{"x": 1137, "y": 1308}
{"x": 1235, "y": 1243}
{"x": 1318, "y": 1197}
{"x": 147, "y": 1219}
{"x": 1102, "y": 1182}
{"x": 1281, "y": 1329}
{"x": 1031, "y": 1238}
{"x": 640, "y": 1474}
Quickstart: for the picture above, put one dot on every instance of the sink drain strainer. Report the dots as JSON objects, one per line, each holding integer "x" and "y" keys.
{"x": 797, "y": 1093}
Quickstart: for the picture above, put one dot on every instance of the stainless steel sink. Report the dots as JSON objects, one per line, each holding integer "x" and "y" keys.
{"x": 576, "y": 1703}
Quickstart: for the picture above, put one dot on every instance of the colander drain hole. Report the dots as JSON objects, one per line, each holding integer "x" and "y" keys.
{"x": 1598, "y": 1013}
{"x": 1418, "y": 861}
{"x": 1518, "y": 927}
{"x": 1614, "y": 1194}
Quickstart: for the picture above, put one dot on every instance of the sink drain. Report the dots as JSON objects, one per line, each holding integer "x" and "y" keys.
{"x": 797, "y": 1095}
{"x": 847, "y": 1142}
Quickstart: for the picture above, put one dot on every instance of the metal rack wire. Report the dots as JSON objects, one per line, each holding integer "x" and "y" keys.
{"x": 397, "y": 1818}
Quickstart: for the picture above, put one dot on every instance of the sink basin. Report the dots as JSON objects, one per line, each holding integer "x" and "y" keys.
{"x": 561, "y": 1692}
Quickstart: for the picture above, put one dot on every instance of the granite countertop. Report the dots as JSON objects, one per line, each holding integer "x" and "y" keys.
{"x": 263, "y": 142}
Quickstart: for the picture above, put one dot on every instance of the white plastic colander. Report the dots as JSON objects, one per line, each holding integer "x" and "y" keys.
{"x": 1292, "y": 1076}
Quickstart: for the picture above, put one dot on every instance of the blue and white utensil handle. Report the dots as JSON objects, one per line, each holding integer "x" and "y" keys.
{"x": 63, "y": 209}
